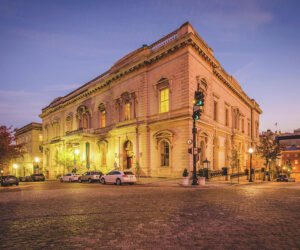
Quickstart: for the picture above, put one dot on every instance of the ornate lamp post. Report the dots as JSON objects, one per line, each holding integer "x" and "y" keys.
{"x": 37, "y": 167}
{"x": 206, "y": 164}
{"x": 250, "y": 152}
{"x": 15, "y": 166}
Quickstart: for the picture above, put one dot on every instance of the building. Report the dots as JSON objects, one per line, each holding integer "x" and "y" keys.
{"x": 290, "y": 155}
{"x": 137, "y": 115}
{"x": 31, "y": 137}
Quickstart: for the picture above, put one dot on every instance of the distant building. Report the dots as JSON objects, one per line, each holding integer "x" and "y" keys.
{"x": 290, "y": 155}
{"x": 139, "y": 113}
{"x": 31, "y": 137}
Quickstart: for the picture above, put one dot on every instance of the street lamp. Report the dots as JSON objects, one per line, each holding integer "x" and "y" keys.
{"x": 15, "y": 166}
{"x": 250, "y": 152}
{"x": 206, "y": 164}
{"x": 36, "y": 160}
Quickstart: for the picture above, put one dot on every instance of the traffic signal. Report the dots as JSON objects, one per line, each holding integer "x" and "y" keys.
{"x": 199, "y": 98}
{"x": 197, "y": 114}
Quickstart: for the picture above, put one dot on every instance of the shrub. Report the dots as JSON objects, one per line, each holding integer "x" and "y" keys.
{"x": 185, "y": 173}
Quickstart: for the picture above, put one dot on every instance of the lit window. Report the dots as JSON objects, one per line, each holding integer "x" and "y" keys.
{"x": 165, "y": 153}
{"x": 164, "y": 100}
{"x": 127, "y": 112}
{"x": 103, "y": 118}
{"x": 40, "y": 137}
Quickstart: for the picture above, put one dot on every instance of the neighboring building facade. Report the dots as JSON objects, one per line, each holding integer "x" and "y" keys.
{"x": 137, "y": 115}
{"x": 290, "y": 155}
{"x": 31, "y": 137}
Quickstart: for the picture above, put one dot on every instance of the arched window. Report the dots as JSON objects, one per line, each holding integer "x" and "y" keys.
{"x": 83, "y": 117}
{"x": 69, "y": 121}
{"x": 164, "y": 153}
{"x": 102, "y": 115}
{"x": 85, "y": 121}
{"x": 127, "y": 111}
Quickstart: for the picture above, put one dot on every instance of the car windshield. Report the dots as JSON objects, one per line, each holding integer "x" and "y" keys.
{"x": 128, "y": 173}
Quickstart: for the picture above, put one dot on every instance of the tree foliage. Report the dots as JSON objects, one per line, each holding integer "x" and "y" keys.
{"x": 8, "y": 148}
{"x": 268, "y": 148}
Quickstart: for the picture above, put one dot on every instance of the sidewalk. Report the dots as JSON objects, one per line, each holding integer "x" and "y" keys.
{"x": 176, "y": 182}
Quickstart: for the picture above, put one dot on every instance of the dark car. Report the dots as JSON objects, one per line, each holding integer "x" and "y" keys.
{"x": 282, "y": 177}
{"x": 9, "y": 180}
{"x": 38, "y": 177}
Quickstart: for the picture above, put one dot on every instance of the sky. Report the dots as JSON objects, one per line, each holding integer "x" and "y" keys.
{"x": 49, "y": 48}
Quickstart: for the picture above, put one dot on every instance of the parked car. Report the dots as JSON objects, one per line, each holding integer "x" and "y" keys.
{"x": 69, "y": 177}
{"x": 118, "y": 177}
{"x": 90, "y": 176}
{"x": 38, "y": 177}
{"x": 25, "y": 178}
{"x": 9, "y": 180}
{"x": 285, "y": 178}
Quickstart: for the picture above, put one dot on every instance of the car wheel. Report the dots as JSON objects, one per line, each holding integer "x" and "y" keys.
{"x": 102, "y": 181}
{"x": 79, "y": 180}
{"x": 118, "y": 182}
{"x": 90, "y": 180}
{"x": 131, "y": 183}
{"x": 17, "y": 184}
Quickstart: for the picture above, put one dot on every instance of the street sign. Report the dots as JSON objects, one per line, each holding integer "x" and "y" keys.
{"x": 195, "y": 151}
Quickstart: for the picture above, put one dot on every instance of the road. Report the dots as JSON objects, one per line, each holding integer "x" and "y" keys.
{"x": 54, "y": 215}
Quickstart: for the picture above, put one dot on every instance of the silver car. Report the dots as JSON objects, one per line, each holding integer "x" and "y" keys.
{"x": 118, "y": 177}
{"x": 69, "y": 177}
{"x": 91, "y": 176}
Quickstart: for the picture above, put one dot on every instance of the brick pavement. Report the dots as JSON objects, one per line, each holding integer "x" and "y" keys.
{"x": 83, "y": 216}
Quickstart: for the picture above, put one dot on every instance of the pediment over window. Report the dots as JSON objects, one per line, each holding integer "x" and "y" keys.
{"x": 101, "y": 107}
{"x": 81, "y": 110}
{"x": 125, "y": 97}
{"x": 163, "y": 83}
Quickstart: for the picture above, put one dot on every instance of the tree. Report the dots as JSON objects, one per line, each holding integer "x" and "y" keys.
{"x": 269, "y": 149}
{"x": 8, "y": 148}
{"x": 65, "y": 158}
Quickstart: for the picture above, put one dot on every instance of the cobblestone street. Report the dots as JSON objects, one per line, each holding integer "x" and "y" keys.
{"x": 93, "y": 216}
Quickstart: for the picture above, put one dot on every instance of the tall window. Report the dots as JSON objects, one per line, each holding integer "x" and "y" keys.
{"x": 248, "y": 128}
{"x": 69, "y": 123}
{"x": 127, "y": 111}
{"x": 226, "y": 117}
{"x": 103, "y": 119}
{"x": 243, "y": 126}
{"x": 215, "y": 110}
{"x": 164, "y": 154}
{"x": 164, "y": 100}
{"x": 84, "y": 121}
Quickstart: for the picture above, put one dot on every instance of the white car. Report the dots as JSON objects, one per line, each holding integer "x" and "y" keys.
{"x": 118, "y": 177}
{"x": 69, "y": 177}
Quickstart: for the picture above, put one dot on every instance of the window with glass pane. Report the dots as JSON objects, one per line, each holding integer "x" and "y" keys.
{"x": 164, "y": 100}
{"x": 165, "y": 153}
{"x": 127, "y": 112}
{"x": 103, "y": 119}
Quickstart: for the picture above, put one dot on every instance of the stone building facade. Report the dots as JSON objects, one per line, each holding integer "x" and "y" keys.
{"x": 31, "y": 137}
{"x": 137, "y": 115}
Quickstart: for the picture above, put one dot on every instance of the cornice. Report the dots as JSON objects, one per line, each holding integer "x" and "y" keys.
{"x": 188, "y": 39}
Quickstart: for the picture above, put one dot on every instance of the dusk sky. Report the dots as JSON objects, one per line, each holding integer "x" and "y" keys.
{"x": 49, "y": 48}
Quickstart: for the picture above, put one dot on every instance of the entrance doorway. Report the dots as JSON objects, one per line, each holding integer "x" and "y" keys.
{"x": 127, "y": 155}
